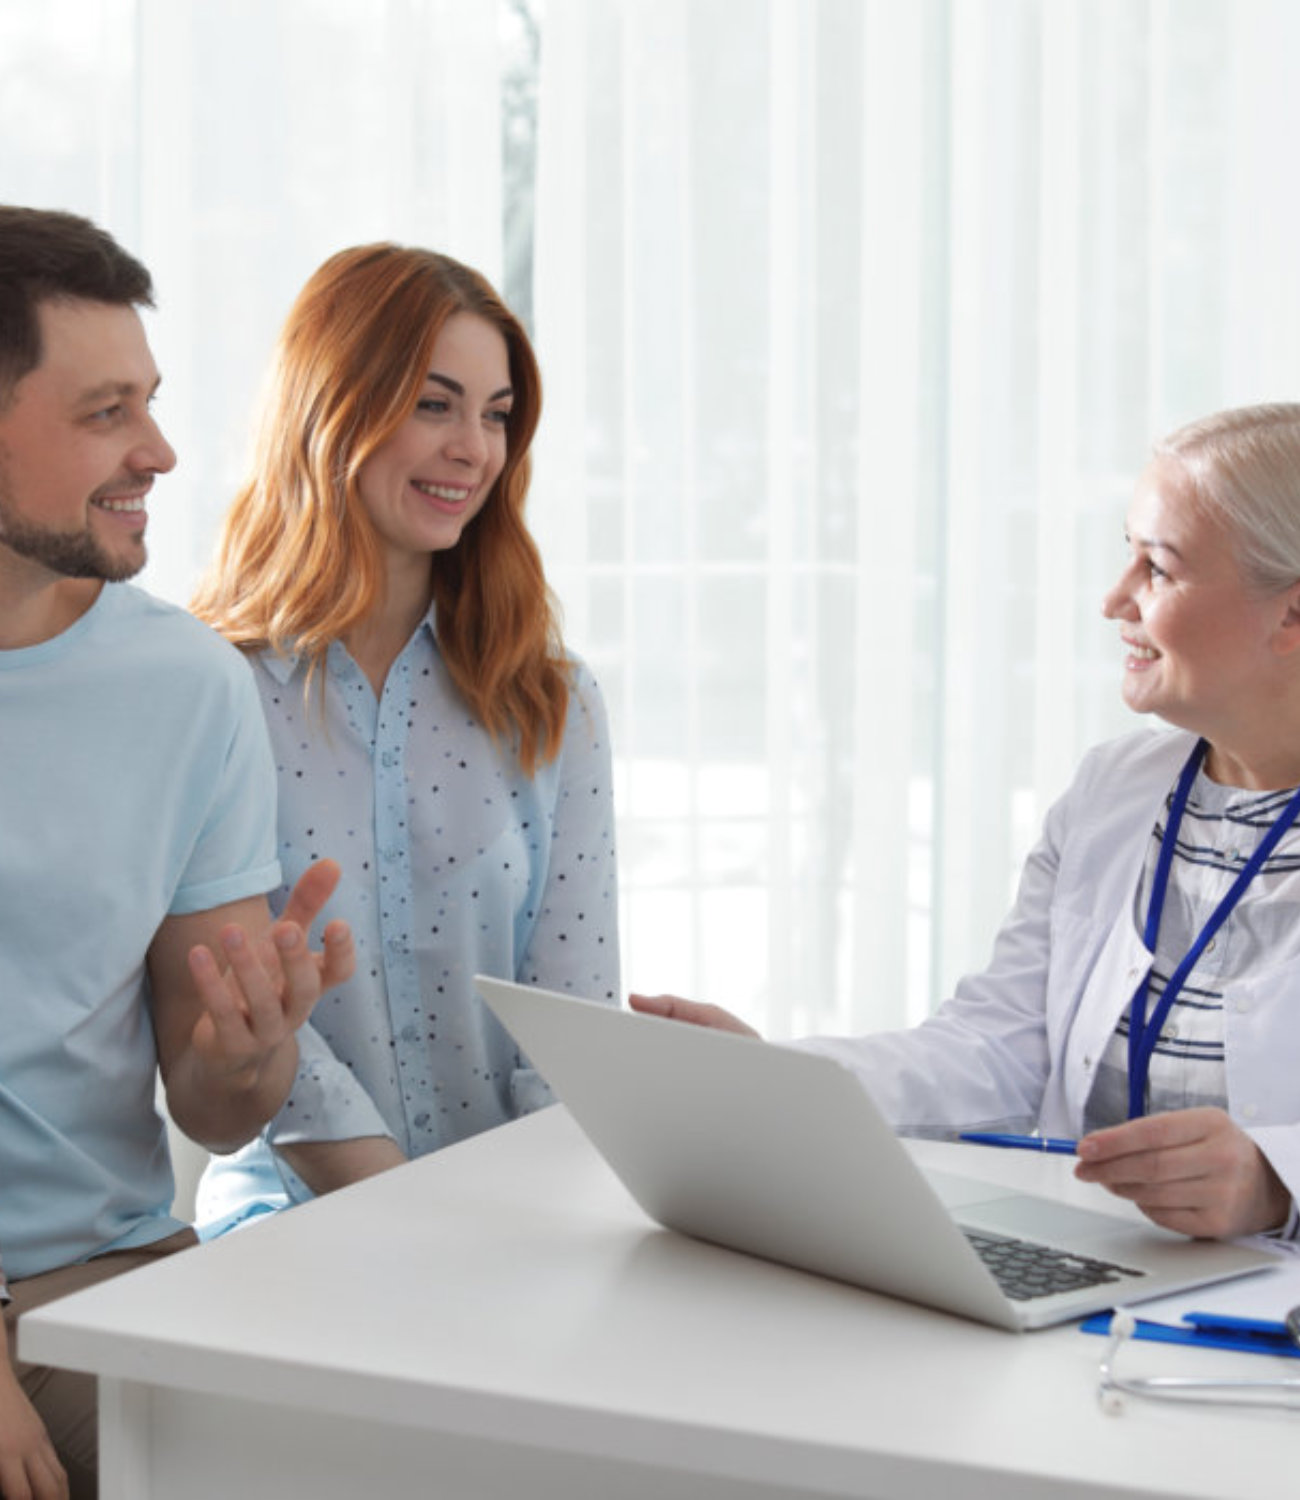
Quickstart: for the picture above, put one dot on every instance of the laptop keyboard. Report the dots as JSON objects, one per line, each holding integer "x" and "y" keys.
{"x": 1025, "y": 1269}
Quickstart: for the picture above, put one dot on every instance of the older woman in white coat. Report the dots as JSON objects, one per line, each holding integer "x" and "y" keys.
{"x": 1144, "y": 993}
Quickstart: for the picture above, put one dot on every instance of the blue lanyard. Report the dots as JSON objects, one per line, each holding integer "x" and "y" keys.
{"x": 1143, "y": 1033}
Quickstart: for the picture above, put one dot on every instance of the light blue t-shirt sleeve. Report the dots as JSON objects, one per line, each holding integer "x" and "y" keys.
{"x": 234, "y": 853}
{"x": 135, "y": 782}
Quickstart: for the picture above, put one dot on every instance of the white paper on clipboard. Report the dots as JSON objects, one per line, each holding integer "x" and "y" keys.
{"x": 1269, "y": 1294}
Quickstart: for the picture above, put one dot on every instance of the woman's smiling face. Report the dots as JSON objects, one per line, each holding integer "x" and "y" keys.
{"x": 1200, "y": 641}
{"x": 425, "y": 483}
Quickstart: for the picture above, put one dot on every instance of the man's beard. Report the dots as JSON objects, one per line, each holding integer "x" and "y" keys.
{"x": 74, "y": 554}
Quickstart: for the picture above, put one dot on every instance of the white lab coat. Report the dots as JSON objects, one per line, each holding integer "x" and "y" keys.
{"x": 1017, "y": 1045}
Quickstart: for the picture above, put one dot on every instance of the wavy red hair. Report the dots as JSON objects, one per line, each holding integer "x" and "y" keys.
{"x": 298, "y": 564}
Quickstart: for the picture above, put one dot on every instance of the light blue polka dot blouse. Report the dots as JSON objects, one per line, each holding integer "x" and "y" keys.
{"x": 454, "y": 863}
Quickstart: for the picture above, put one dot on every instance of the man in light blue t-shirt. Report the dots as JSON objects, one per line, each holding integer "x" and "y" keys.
{"x": 137, "y": 836}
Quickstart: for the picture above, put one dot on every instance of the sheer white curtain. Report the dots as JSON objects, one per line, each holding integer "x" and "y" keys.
{"x": 857, "y": 318}
{"x": 233, "y": 145}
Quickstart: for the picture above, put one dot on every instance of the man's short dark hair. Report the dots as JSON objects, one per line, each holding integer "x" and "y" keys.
{"x": 47, "y": 256}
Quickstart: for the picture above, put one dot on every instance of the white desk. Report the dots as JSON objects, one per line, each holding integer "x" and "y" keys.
{"x": 500, "y": 1320}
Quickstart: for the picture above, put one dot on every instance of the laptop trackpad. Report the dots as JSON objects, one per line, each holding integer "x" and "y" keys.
{"x": 1038, "y": 1219}
{"x": 988, "y": 1205}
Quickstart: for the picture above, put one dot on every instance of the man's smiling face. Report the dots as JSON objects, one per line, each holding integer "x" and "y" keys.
{"x": 79, "y": 447}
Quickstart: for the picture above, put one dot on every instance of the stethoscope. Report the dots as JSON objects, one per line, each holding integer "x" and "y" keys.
{"x": 1281, "y": 1393}
{"x": 1144, "y": 1032}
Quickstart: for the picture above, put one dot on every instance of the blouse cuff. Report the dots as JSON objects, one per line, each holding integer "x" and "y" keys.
{"x": 326, "y": 1102}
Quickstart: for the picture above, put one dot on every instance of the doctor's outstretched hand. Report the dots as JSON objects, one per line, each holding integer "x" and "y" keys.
{"x": 1191, "y": 1170}
{"x": 694, "y": 1012}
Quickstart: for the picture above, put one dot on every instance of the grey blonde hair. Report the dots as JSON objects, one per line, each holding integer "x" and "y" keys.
{"x": 1244, "y": 467}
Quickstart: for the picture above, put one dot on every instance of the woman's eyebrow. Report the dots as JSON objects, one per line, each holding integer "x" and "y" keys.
{"x": 1153, "y": 543}
{"x": 457, "y": 389}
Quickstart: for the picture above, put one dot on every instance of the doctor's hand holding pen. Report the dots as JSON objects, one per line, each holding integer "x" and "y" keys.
{"x": 1190, "y": 1170}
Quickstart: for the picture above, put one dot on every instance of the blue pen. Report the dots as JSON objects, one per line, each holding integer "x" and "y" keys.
{"x": 1054, "y": 1144}
{"x": 1253, "y": 1328}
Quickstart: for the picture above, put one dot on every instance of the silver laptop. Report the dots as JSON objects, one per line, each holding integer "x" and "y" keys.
{"x": 782, "y": 1154}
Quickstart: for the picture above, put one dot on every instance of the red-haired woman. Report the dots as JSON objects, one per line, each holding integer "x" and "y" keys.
{"x": 431, "y": 733}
